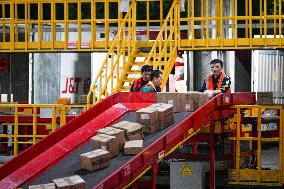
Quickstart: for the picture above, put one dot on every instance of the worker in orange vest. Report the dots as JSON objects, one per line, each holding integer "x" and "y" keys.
{"x": 155, "y": 83}
{"x": 138, "y": 84}
{"x": 217, "y": 82}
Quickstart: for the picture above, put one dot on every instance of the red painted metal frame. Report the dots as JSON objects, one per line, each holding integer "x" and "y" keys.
{"x": 58, "y": 145}
{"x": 212, "y": 157}
{"x": 43, "y": 155}
{"x": 211, "y": 111}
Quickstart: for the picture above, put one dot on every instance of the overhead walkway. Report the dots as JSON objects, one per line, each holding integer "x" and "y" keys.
{"x": 60, "y": 25}
{"x": 42, "y": 159}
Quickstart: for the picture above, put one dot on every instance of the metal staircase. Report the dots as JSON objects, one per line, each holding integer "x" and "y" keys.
{"x": 117, "y": 60}
{"x": 124, "y": 59}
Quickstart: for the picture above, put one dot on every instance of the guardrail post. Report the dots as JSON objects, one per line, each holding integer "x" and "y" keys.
{"x": 53, "y": 121}
{"x": 34, "y": 124}
{"x": 62, "y": 115}
{"x": 16, "y": 131}
{"x": 212, "y": 156}
{"x": 154, "y": 175}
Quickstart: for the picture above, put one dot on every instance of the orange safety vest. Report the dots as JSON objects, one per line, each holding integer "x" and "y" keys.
{"x": 210, "y": 85}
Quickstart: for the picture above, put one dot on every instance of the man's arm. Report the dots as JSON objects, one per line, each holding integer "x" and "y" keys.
{"x": 226, "y": 84}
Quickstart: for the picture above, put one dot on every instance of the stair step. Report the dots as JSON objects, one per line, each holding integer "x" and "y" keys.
{"x": 131, "y": 80}
{"x": 125, "y": 88}
{"x": 142, "y": 54}
{"x": 134, "y": 72}
{"x": 142, "y": 63}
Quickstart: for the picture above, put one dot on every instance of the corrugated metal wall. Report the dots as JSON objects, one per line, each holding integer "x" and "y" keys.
{"x": 268, "y": 73}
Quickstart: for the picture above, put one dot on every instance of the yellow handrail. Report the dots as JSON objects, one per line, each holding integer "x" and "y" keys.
{"x": 166, "y": 44}
{"x": 19, "y": 118}
{"x": 123, "y": 45}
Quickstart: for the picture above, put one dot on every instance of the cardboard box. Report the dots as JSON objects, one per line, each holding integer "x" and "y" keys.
{"x": 181, "y": 99}
{"x": 168, "y": 98}
{"x": 188, "y": 106}
{"x": 131, "y": 130}
{"x": 64, "y": 101}
{"x": 182, "y": 102}
{"x": 106, "y": 142}
{"x": 165, "y": 115}
{"x": 118, "y": 133}
{"x": 147, "y": 115}
{"x": 193, "y": 96}
{"x": 162, "y": 109}
{"x": 151, "y": 127}
{"x": 167, "y": 121}
{"x": 203, "y": 99}
{"x": 96, "y": 159}
{"x": 43, "y": 186}
{"x": 75, "y": 182}
{"x": 133, "y": 147}
{"x": 264, "y": 98}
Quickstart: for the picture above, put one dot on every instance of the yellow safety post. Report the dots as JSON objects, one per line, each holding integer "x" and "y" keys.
{"x": 53, "y": 121}
{"x": 34, "y": 124}
{"x": 62, "y": 115}
{"x": 16, "y": 131}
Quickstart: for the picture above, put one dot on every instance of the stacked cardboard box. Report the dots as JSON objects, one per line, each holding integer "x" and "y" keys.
{"x": 118, "y": 133}
{"x": 43, "y": 186}
{"x": 203, "y": 99}
{"x": 106, "y": 142}
{"x": 165, "y": 114}
{"x": 148, "y": 117}
{"x": 180, "y": 101}
{"x": 198, "y": 98}
{"x": 133, "y": 147}
{"x": 264, "y": 98}
{"x": 132, "y": 131}
{"x": 184, "y": 102}
{"x": 168, "y": 98}
{"x": 96, "y": 159}
{"x": 75, "y": 182}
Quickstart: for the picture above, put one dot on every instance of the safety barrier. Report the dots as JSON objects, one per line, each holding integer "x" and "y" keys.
{"x": 23, "y": 125}
{"x": 258, "y": 128}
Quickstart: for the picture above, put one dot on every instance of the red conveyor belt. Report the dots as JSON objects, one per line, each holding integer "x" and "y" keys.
{"x": 45, "y": 154}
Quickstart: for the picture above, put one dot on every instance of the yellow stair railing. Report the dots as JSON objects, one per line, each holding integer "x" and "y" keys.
{"x": 164, "y": 50}
{"x": 119, "y": 54}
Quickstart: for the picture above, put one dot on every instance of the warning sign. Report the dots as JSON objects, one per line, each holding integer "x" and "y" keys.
{"x": 186, "y": 170}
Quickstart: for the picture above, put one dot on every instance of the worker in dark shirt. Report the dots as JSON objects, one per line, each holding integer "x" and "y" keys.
{"x": 155, "y": 83}
{"x": 218, "y": 81}
{"x": 138, "y": 84}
